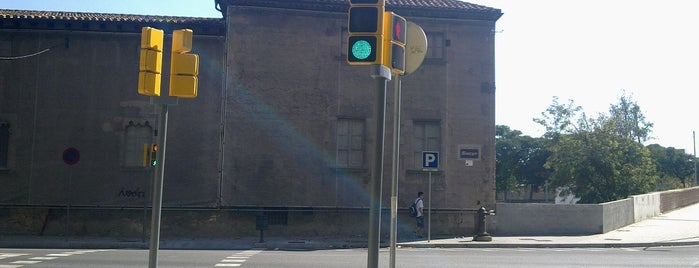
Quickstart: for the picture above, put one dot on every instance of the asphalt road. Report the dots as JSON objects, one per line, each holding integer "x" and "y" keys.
{"x": 406, "y": 257}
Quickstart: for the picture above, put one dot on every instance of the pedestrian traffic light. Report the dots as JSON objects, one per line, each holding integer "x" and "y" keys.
{"x": 154, "y": 155}
{"x": 365, "y": 32}
{"x": 396, "y": 28}
{"x": 150, "y": 62}
{"x": 184, "y": 67}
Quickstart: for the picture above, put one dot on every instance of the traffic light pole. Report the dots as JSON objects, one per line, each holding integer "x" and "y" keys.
{"x": 381, "y": 75}
{"x": 395, "y": 170}
{"x": 158, "y": 180}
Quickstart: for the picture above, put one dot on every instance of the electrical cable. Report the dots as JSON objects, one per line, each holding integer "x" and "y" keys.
{"x": 27, "y": 56}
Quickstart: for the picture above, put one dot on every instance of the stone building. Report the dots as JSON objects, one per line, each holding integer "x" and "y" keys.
{"x": 282, "y": 126}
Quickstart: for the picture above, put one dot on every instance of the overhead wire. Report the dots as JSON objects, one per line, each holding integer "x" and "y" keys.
{"x": 32, "y": 54}
{"x": 24, "y": 56}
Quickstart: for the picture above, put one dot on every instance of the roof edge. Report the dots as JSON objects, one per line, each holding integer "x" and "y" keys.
{"x": 448, "y": 10}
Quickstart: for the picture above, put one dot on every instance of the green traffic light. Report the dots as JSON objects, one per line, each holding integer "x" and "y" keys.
{"x": 361, "y": 49}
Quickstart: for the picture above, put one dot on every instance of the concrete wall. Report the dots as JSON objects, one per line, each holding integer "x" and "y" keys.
{"x": 546, "y": 219}
{"x": 616, "y": 214}
{"x": 646, "y": 206}
{"x": 581, "y": 219}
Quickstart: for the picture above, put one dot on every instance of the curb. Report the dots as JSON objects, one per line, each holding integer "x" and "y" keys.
{"x": 300, "y": 245}
{"x": 550, "y": 245}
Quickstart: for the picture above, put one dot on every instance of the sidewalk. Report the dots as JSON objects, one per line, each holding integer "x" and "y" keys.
{"x": 676, "y": 228}
{"x": 679, "y": 227}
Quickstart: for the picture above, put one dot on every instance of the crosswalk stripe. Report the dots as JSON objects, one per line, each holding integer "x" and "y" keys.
{"x": 43, "y": 258}
{"x": 10, "y": 255}
{"x": 59, "y": 255}
{"x": 26, "y": 262}
{"x": 232, "y": 260}
{"x": 237, "y": 259}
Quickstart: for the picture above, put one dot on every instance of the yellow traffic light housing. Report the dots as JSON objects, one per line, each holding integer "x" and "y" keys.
{"x": 184, "y": 67}
{"x": 395, "y": 33}
{"x": 150, "y": 62}
{"x": 365, "y": 32}
{"x": 182, "y": 41}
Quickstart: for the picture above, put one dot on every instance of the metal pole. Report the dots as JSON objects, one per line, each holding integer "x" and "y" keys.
{"x": 158, "y": 188}
{"x": 694, "y": 139}
{"x": 429, "y": 209}
{"x": 396, "y": 170}
{"x": 67, "y": 231}
{"x": 144, "y": 231}
{"x": 382, "y": 75}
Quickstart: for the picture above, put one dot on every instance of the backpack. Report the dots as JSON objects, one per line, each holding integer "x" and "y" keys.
{"x": 412, "y": 210}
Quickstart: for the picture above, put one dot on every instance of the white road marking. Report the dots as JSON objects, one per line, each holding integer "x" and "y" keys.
{"x": 43, "y": 258}
{"x": 10, "y": 255}
{"x": 237, "y": 259}
{"x": 233, "y": 260}
{"x": 59, "y": 255}
{"x": 26, "y": 262}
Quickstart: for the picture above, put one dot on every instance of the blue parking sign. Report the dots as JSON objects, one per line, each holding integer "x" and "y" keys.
{"x": 430, "y": 160}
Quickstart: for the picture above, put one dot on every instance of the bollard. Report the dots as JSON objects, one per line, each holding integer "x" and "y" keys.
{"x": 262, "y": 224}
{"x": 483, "y": 235}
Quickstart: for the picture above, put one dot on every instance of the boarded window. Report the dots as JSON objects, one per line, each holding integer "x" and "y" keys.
{"x": 435, "y": 46}
{"x": 426, "y": 137}
{"x": 350, "y": 142}
{"x": 4, "y": 144}
{"x": 137, "y": 137}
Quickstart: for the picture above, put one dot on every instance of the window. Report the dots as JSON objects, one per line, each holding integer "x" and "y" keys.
{"x": 4, "y": 144}
{"x": 435, "y": 49}
{"x": 138, "y": 136}
{"x": 426, "y": 137}
{"x": 278, "y": 217}
{"x": 350, "y": 142}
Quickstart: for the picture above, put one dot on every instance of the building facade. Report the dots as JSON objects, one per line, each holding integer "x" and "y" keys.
{"x": 282, "y": 126}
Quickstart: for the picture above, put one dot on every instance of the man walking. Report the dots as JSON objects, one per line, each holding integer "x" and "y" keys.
{"x": 420, "y": 219}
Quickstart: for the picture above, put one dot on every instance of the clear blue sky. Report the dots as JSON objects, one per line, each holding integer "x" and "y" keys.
{"x": 187, "y": 8}
{"x": 586, "y": 50}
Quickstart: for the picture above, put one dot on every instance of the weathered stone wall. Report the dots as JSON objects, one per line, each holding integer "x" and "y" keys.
{"x": 84, "y": 96}
{"x": 261, "y": 134}
{"x": 288, "y": 83}
{"x": 134, "y": 223}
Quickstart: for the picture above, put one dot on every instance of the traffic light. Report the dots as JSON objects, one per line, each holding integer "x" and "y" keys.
{"x": 365, "y": 28}
{"x": 184, "y": 67}
{"x": 154, "y": 155}
{"x": 396, "y": 27}
{"x": 151, "y": 61}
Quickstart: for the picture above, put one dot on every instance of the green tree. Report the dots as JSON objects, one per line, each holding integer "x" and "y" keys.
{"x": 506, "y": 160}
{"x": 519, "y": 160}
{"x": 594, "y": 159}
{"x": 672, "y": 164}
{"x": 533, "y": 171}
{"x": 628, "y": 119}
